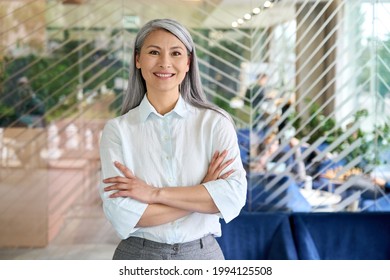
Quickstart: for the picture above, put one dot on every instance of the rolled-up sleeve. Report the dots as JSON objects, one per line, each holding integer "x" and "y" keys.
{"x": 122, "y": 212}
{"x": 229, "y": 194}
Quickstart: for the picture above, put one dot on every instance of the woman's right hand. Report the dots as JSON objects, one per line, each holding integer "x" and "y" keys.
{"x": 217, "y": 165}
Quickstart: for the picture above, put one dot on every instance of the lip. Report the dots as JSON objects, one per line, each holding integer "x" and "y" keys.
{"x": 163, "y": 75}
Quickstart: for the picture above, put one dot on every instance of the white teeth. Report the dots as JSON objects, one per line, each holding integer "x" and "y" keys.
{"x": 164, "y": 75}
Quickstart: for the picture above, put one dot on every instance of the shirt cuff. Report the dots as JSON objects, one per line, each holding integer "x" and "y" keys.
{"x": 123, "y": 218}
{"x": 228, "y": 199}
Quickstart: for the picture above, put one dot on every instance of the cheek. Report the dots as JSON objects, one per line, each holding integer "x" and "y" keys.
{"x": 185, "y": 67}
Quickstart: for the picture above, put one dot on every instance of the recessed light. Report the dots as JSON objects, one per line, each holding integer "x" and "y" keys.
{"x": 267, "y": 4}
{"x": 256, "y": 11}
{"x": 247, "y": 16}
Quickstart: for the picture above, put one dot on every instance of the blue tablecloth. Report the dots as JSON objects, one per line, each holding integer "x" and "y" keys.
{"x": 258, "y": 236}
{"x": 328, "y": 236}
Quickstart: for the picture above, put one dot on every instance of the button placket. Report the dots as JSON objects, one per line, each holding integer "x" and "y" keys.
{"x": 167, "y": 148}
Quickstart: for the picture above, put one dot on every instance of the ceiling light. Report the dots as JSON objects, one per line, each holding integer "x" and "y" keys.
{"x": 240, "y": 21}
{"x": 267, "y": 4}
{"x": 234, "y": 24}
{"x": 247, "y": 16}
{"x": 256, "y": 11}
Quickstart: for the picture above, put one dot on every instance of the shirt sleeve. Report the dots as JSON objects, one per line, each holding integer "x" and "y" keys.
{"x": 122, "y": 212}
{"x": 229, "y": 194}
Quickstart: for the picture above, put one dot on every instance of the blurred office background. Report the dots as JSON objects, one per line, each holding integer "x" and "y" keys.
{"x": 314, "y": 138}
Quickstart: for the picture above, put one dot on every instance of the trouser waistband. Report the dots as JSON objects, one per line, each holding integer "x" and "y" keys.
{"x": 198, "y": 243}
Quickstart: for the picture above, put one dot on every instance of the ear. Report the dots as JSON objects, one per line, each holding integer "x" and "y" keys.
{"x": 189, "y": 62}
{"x": 137, "y": 63}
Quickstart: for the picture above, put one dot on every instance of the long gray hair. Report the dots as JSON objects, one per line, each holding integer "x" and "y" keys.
{"x": 190, "y": 88}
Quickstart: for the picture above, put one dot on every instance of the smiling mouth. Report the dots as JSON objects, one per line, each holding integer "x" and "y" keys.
{"x": 161, "y": 75}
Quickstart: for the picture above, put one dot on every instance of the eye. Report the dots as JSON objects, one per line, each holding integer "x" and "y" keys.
{"x": 176, "y": 53}
{"x": 154, "y": 52}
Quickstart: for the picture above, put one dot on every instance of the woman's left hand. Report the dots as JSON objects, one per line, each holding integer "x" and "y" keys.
{"x": 216, "y": 166}
{"x": 130, "y": 186}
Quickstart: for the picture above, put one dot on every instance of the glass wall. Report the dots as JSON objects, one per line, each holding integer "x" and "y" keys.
{"x": 306, "y": 82}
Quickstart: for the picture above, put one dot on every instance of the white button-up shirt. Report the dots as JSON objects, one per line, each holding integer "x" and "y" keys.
{"x": 171, "y": 150}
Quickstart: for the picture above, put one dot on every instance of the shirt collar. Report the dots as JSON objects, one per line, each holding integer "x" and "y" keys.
{"x": 145, "y": 109}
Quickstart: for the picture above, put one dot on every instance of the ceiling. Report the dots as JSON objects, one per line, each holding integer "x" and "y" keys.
{"x": 192, "y": 13}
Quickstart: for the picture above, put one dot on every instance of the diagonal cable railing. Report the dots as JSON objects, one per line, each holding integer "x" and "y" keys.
{"x": 61, "y": 30}
{"x": 50, "y": 67}
{"x": 20, "y": 8}
{"x": 306, "y": 30}
{"x": 26, "y": 19}
{"x": 304, "y": 95}
{"x": 70, "y": 166}
{"x": 260, "y": 46}
{"x": 70, "y": 121}
{"x": 91, "y": 66}
{"x": 60, "y": 60}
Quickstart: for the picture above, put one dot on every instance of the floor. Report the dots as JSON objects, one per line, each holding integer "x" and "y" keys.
{"x": 86, "y": 235}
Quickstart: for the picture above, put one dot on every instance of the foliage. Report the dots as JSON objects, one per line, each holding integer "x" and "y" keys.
{"x": 371, "y": 145}
{"x": 313, "y": 129}
{"x": 57, "y": 78}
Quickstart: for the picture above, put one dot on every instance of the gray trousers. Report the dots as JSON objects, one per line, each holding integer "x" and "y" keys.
{"x": 135, "y": 248}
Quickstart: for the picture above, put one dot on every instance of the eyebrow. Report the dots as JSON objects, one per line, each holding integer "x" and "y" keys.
{"x": 157, "y": 47}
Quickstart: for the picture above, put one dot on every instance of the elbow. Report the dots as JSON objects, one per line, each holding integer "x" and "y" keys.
{"x": 122, "y": 220}
{"x": 237, "y": 202}
{"x": 213, "y": 209}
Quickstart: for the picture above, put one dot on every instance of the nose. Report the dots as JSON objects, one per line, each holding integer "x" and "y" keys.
{"x": 165, "y": 61}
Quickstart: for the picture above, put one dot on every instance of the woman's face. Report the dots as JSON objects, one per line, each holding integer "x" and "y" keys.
{"x": 163, "y": 61}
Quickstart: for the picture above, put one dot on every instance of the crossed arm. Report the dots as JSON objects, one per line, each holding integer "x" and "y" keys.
{"x": 168, "y": 204}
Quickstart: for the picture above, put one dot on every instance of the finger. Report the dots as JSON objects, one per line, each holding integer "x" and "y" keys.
{"x": 220, "y": 158}
{"x": 116, "y": 179}
{"x": 216, "y": 154}
{"x": 127, "y": 172}
{"x": 224, "y": 165}
{"x": 212, "y": 162}
{"x": 120, "y": 194}
{"x": 227, "y": 174}
{"x": 116, "y": 187}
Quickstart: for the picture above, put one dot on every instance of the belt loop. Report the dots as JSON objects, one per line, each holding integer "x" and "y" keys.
{"x": 201, "y": 243}
{"x": 143, "y": 242}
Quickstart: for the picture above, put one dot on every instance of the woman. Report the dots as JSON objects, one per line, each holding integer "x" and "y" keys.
{"x": 165, "y": 159}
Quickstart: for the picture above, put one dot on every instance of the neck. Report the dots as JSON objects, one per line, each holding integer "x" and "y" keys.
{"x": 163, "y": 102}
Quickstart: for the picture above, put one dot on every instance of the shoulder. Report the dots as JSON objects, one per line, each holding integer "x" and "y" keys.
{"x": 213, "y": 116}
{"x": 220, "y": 122}
{"x": 124, "y": 119}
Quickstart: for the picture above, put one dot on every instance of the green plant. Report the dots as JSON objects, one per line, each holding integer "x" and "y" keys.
{"x": 371, "y": 144}
{"x": 317, "y": 126}
{"x": 57, "y": 78}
